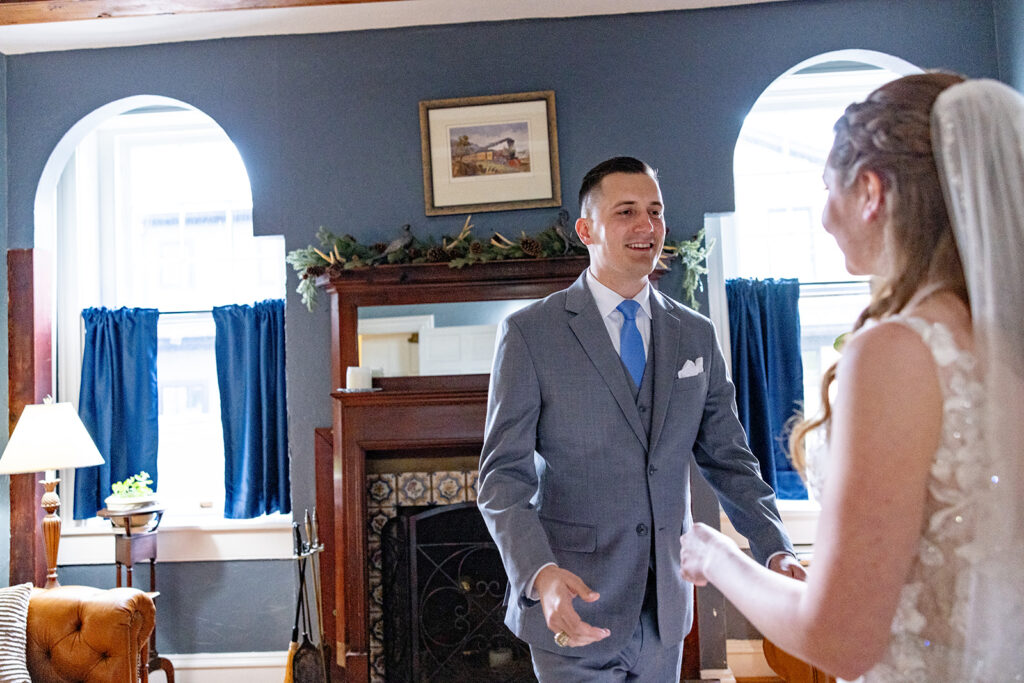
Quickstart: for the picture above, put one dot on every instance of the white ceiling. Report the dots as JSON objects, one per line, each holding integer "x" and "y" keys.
{"x": 172, "y": 28}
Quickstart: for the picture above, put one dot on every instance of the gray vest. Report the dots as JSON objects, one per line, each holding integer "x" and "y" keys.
{"x": 644, "y": 395}
{"x": 644, "y": 403}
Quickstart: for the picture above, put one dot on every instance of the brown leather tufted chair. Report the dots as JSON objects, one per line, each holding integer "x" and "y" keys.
{"x": 89, "y": 635}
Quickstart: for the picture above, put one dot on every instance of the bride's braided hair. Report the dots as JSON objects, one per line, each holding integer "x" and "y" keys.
{"x": 889, "y": 134}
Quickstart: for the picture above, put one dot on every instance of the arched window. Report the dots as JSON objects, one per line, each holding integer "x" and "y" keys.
{"x": 153, "y": 209}
{"x": 776, "y": 231}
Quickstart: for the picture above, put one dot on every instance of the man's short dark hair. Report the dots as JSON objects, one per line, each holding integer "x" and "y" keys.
{"x": 595, "y": 175}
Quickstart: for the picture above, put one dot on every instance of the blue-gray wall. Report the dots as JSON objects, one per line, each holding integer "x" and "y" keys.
{"x": 1010, "y": 34}
{"x": 5, "y": 489}
{"x": 328, "y": 128}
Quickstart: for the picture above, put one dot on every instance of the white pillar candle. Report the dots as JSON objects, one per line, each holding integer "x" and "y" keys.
{"x": 358, "y": 378}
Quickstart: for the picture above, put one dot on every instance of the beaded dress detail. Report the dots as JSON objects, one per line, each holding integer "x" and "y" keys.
{"x": 926, "y": 642}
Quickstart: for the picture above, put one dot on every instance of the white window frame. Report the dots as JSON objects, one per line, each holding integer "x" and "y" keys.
{"x": 182, "y": 537}
{"x": 800, "y": 517}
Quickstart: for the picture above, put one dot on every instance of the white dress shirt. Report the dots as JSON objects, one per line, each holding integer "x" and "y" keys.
{"x": 607, "y": 303}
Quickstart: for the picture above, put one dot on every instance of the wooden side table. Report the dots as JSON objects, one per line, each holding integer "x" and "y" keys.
{"x": 138, "y": 544}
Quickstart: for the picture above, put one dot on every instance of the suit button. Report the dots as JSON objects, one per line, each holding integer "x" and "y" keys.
{"x": 651, "y": 470}
{"x": 641, "y": 529}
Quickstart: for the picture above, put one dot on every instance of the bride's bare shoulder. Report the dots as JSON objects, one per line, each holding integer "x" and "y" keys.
{"x": 889, "y": 358}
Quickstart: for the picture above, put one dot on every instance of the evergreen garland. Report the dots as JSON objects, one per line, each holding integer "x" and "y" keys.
{"x": 336, "y": 254}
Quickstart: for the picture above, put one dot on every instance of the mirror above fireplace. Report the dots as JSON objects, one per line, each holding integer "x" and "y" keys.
{"x": 416, "y": 284}
{"x": 454, "y": 338}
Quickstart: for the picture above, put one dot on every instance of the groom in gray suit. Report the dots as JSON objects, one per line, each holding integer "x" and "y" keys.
{"x": 599, "y": 395}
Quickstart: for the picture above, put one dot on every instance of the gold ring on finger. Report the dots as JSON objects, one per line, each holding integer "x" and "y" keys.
{"x": 562, "y": 639}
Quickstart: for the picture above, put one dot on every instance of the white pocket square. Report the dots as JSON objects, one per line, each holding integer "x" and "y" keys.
{"x": 691, "y": 368}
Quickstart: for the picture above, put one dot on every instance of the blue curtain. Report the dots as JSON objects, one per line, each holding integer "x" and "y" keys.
{"x": 118, "y": 400}
{"x": 764, "y": 331}
{"x": 253, "y": 410}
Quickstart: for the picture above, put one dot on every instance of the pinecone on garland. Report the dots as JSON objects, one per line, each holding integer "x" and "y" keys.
{"x": 531, "y": 247}
{"x": 316, "y": 271}
{"x": 476, "y": 248}
{"x": 335, "y": 269}
{"x": 379, "y": 247}
{"x": 413, "y": 253}
{"x": 436, "y": 255}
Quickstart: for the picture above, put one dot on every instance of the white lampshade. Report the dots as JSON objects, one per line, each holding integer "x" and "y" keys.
{"x": 49, "y": 436}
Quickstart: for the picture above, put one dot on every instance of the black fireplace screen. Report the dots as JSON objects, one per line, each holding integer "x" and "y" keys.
{"x": 444, "y": 586}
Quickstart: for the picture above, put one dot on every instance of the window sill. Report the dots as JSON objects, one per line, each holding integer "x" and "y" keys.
{"x": 185, "y": 540}
{"x": 800, "y": 518}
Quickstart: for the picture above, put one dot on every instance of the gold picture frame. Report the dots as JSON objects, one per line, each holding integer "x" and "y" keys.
{"x": 490, "y": 153}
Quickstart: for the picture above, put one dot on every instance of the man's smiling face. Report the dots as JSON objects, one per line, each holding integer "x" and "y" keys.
{"x": 623, "y": 227}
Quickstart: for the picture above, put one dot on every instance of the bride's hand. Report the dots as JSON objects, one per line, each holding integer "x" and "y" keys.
{"x": 697, "y": 547}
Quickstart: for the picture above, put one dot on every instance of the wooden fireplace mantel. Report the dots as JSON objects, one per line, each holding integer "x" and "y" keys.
{"x": 409, "y": 416}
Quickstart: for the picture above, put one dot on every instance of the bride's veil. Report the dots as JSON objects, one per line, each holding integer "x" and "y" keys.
{"x": 978, "y": 141}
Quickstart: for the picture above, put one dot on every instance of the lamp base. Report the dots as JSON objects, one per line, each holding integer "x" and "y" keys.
{"x": 51, "y": 530}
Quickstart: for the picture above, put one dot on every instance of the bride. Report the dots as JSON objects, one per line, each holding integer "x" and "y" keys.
{"x": 918, "y": 570}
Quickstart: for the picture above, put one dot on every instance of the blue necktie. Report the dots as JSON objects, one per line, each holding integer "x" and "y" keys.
{"x": 631, "y": 344}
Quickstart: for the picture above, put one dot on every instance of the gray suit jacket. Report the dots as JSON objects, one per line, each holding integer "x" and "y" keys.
{"x": 568, "y": 474}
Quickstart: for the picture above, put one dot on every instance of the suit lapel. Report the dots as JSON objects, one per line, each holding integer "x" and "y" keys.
{"x": 592, "y": 334}
{"x": 666, "y": 330}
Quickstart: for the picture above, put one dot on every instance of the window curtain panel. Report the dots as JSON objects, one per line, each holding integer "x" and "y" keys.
{"x": 249, "y": 347}
{"x": 118, "y": 401}
{"x": 764, "y": 329}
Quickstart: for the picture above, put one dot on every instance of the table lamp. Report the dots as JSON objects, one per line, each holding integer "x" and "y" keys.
{"x": 49, "y": 436}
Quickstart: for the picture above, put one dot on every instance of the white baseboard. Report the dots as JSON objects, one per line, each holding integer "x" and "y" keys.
{"x": 225, "y": 667}
{"x": 746, "y": 658}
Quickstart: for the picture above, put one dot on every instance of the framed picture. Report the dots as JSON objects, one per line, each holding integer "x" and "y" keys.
{"x": 491, "y": 153}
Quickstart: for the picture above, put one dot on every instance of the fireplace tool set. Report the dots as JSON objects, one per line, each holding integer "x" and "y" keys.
{"x": 306, "y": 661}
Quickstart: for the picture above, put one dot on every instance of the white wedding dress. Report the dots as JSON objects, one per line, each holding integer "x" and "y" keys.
{"x": 959, "y": 615}
{"x": 926, "y": 642}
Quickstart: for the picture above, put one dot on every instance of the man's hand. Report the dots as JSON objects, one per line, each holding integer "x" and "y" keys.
{"x": 787, "y": 565}
{"x": 557, "y": 588}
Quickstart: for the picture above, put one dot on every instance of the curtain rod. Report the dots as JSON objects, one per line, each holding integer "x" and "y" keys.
{"x": 833, "y": 282}
{"x": 804, "y": 283}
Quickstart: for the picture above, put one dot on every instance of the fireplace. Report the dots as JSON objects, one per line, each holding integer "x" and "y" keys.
{"x": 443, "y": 591}
{"x": 437, "y": 420}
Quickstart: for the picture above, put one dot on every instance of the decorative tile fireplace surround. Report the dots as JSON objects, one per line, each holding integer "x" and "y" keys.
{"x": 385, "y": 494}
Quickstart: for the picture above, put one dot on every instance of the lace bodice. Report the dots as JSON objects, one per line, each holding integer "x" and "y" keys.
{"x": 926, "y": 637}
